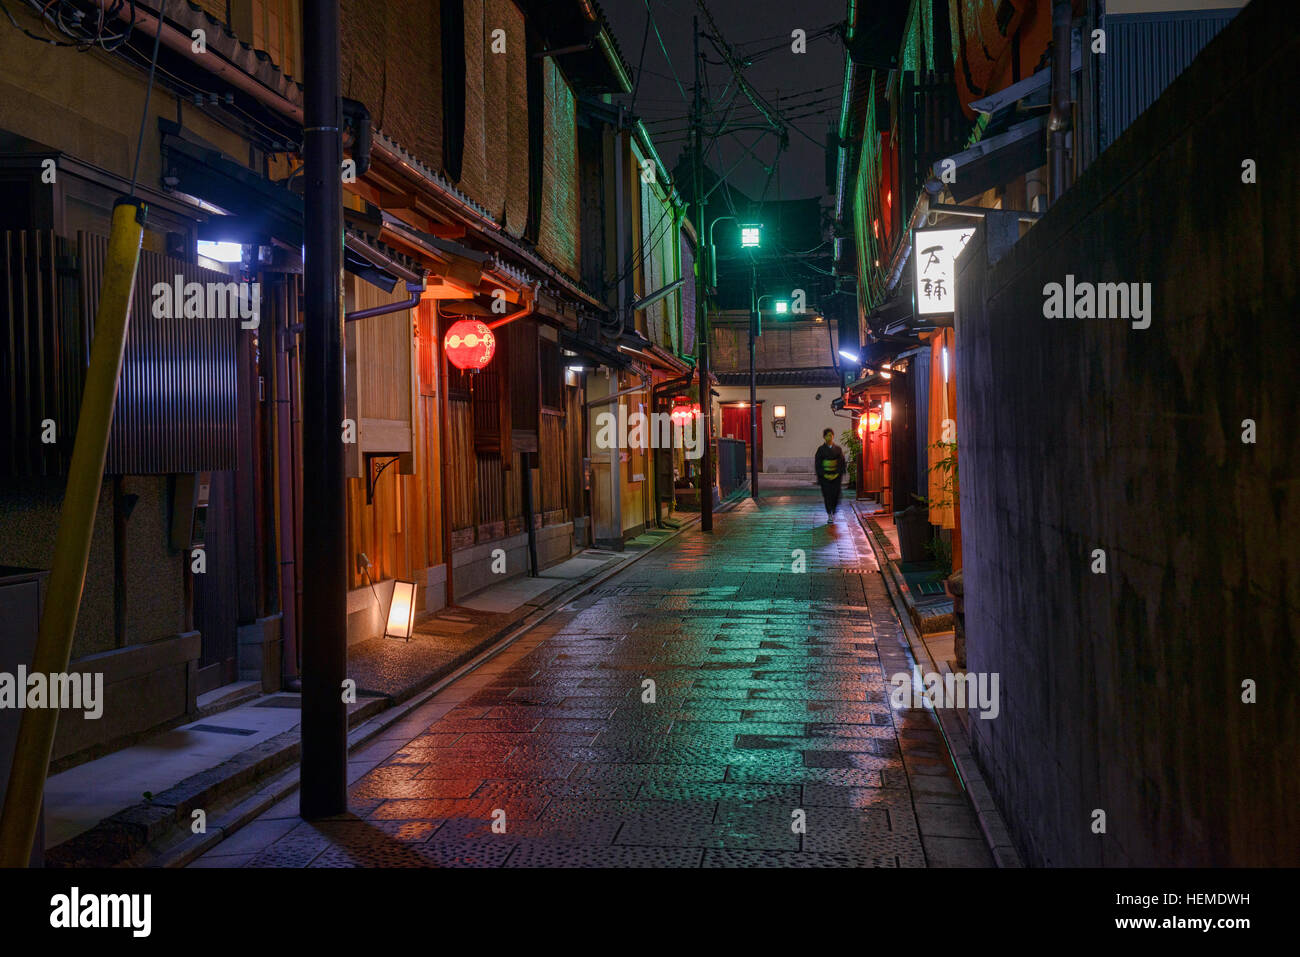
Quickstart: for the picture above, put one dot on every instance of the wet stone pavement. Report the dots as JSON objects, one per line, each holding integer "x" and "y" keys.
{"x": 771, "y": 708}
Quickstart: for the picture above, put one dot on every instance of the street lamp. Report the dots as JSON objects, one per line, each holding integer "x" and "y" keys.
{"x": 751, "y": 237}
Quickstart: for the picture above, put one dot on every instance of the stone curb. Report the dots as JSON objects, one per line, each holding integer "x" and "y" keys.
{"x": 925, "y": 622}
{"x": 992, "y": 824}
{"x": 124, "y": 834}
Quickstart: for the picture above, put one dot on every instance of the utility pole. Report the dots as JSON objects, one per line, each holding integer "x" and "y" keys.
{"x": 753, "y": 379}
{"x": 324, "y": 606}
{"x": 703, "y": 266}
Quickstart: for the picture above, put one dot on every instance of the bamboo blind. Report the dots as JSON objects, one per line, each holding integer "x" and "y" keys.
{"x": 558, "y": 235}
{"x": 657, "y": 226}
{"x": 781, "y": 346}
{"x": 498, "y": 15}
{"x": 412, "y": 91}
{"x": 214, "y": 8}
{"x": 515, "y": 107}
{"x": 364, "y": 50}
{"x": 473, "y": 175}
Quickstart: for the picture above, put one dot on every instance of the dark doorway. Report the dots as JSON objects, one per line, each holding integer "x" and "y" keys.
{"x": 216, "y": 590}
{"x": 735, "y": 425}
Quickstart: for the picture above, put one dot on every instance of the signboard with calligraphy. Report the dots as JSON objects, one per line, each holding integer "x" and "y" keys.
{"x": 934, "y": 254}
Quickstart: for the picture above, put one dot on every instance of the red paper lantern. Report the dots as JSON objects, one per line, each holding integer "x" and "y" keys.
{"x": 683, "y": 409}
{"x": 469, "y": 344}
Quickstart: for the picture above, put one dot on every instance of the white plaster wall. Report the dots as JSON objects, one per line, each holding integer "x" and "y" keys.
{"x": 807, "y": 412}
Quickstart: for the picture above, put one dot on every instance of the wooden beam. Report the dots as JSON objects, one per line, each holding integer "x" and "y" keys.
{"x": 396, "y": 200}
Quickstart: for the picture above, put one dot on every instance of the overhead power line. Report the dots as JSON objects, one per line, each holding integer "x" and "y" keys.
{"x": 737, "y": 70}
{"x": 664, "y": 49}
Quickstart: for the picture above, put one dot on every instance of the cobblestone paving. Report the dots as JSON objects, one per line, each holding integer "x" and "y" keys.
{"x": 770, "y": 704}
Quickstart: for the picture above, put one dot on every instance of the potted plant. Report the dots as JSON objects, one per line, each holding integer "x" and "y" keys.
{"x": 852, "y": 454}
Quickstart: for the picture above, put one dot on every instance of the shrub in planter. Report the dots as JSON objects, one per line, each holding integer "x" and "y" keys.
{"x": 913, "y": 524}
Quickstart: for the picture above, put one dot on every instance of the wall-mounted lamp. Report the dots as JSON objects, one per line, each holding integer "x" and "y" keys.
{"x": 851, "y": 356}
{"x": 222, "y": 252}
{"x": 778, "y": 420}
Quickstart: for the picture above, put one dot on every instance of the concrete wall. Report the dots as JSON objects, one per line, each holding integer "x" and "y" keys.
{"x": 29, "y": 520}
{"x": 148, "y": 680}
{"x": 807, "y": 412}
{"x": 1123, "y": 691}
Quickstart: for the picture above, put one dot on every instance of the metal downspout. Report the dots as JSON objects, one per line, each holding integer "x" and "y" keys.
{"x": 1061, "y": 120}
{"x": 416, "y": 289}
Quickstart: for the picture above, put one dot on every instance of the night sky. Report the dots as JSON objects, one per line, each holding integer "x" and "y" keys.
{"x": 808, "y": 84}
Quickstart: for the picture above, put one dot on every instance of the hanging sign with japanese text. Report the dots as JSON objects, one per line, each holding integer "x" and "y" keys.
{"x": 934, "y": 253}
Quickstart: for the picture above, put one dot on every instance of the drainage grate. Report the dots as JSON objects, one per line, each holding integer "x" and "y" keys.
{"x": 929, "y": 588}
{"x": 218, "y": 729}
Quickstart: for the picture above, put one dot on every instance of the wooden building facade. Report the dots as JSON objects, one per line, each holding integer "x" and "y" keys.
{"x": 463, "y": 199}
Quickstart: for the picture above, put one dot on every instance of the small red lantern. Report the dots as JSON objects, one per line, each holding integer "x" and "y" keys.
{"x": 862, "y": 427}
{"x": 684, "y": 410}
{"x": 469, "y": 344}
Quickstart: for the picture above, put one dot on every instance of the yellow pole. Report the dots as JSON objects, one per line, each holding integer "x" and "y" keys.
{"x": 76, "y": 524}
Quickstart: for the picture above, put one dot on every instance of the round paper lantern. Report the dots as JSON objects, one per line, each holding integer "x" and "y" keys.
{"x": 683, "y": 410}
{"x": 470, "y": 345}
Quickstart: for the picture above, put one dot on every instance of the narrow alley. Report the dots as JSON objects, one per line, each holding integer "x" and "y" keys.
{"x": 770, "y": 698}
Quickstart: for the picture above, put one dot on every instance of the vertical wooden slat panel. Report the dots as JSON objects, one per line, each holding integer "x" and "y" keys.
{"x": 553, "y": 466}
{"x": 461, "y": 473}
